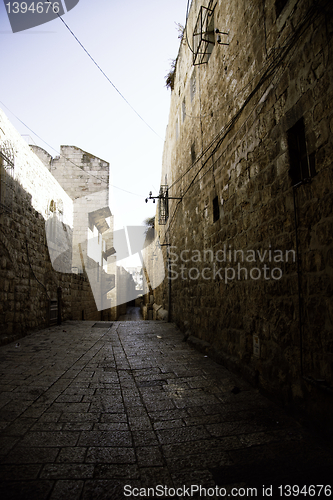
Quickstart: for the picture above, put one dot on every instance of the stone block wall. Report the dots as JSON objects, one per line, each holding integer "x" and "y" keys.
{"x": 28, "y": 280}
{"x": 251, "y": 254}
{"x": 33, "y": 177}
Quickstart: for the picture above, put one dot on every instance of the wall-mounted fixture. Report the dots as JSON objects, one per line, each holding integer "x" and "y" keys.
{"x": 203, "y": 36}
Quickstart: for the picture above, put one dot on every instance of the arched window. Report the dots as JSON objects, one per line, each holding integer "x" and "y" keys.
{"x": 52, "y": 207}
{"x": 52, "y": 216}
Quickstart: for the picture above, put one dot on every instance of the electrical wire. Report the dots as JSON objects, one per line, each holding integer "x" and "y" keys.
{"x": 107, "y": 78}
{"x": 68, "y": 159}
{"x": 276, "y": 63}
{"x": 185, "y": 29}
{"x": 34, "y": 275}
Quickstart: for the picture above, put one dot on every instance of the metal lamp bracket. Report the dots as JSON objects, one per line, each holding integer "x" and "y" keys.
{"x": 218, "y": 38}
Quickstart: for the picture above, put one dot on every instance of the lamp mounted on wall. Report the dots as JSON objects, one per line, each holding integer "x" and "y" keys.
{"x": 163, "y": 203}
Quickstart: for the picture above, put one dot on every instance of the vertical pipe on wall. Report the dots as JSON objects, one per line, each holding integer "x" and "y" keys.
{"x": 169, "y": 287}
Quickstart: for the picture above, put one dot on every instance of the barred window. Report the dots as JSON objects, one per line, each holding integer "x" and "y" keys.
{"x": 203, "y": 35}
{"x": 216, "y": 209}
{"x": 302, "y": 166}
{"x": 193, "y": 86}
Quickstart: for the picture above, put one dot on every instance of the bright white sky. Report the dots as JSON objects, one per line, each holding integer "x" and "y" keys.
{"x": 49, "y": 82}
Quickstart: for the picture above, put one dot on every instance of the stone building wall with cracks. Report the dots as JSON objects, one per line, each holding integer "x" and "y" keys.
{"x": 249, "y": 151}
{"x": 30, "y": 199}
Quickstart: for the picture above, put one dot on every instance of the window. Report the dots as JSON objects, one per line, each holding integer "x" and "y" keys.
{"x": 216, "y": 209}
{"x": 52, "y": 227}
{"x": 6, "y": 176}
{"x": 302, "y": 166}
{"x": 203, "y": 35}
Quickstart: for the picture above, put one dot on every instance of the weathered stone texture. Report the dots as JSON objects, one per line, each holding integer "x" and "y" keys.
{"x": 85, "y": 178}
{"x": 231, "y": 143}
{"x": 28, "y": 280}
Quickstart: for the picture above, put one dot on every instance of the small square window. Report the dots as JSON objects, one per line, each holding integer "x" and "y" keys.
{"x": 302, "y": 166}
{"x": 203, "y": 35}
{"x": 216, "y": 209}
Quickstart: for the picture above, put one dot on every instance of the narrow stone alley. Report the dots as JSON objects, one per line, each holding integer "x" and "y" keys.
{"x": 128, "y": 409}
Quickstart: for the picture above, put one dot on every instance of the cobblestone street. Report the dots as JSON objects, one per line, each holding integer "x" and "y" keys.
{"x": 111, "y": 411}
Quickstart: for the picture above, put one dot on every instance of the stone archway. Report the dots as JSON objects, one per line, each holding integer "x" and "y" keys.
{"x": 9, "y": 274}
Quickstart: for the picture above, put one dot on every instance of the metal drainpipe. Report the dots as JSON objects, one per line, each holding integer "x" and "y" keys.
{"x": 59, "y": 293}
{"x": 169, "y": 286}
{"x": 300, "y": 315}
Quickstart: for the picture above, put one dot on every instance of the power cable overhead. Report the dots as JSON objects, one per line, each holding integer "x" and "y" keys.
{"x": 108, "y": 79}
{"x": 276, "y": 63}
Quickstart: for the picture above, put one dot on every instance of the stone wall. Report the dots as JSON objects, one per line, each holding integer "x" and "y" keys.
{"x": 265, "y": 310}
{"x": 33, "y": 177}
{"x": 85, "y": 178}
{"x": 28, "y": 281}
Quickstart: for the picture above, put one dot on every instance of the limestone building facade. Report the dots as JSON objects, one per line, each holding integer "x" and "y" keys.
{"x": 85, "y": 178}
{"x": 38, "y": 221}
{"x": 246, "y": 200}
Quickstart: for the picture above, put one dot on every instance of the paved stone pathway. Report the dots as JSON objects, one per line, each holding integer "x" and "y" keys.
{"x": 132, "y": 411}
